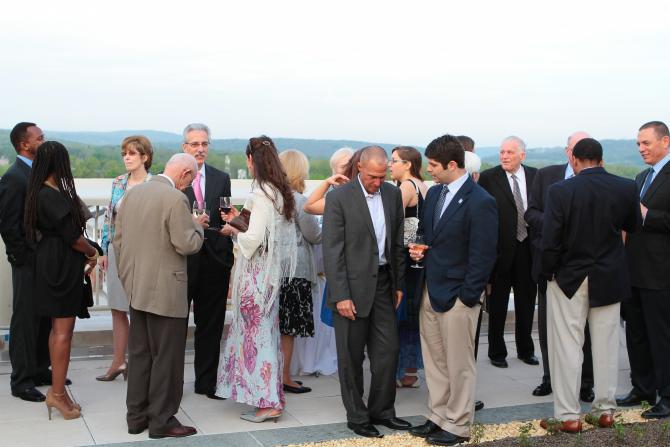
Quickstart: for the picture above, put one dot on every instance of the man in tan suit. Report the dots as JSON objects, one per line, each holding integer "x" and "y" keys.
{"x": 155, "y": 231}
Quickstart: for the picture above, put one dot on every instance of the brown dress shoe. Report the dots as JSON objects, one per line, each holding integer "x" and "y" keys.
{"x": 178, "y": 431}
{"x": 572, "y": 426}
{"x": 606, "y": 420}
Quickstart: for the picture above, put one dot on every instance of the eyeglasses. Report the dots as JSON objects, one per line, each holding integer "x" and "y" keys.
{"x": 197, "y": 144}
{"x": 394, "y": 161}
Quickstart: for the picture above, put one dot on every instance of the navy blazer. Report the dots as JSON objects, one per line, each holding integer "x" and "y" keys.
{"x": 463, "y": 246}
{"x": 581, "y": 234}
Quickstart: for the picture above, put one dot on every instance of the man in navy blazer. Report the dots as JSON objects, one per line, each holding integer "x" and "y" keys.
{"x": 460, "y": 225}
{"x": 584, "y": 261}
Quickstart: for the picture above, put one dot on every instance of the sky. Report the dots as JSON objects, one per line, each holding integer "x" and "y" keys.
{"x": 382, "y": 71}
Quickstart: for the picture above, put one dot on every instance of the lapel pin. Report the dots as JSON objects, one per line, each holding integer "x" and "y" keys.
{"x": 460, "y": 201}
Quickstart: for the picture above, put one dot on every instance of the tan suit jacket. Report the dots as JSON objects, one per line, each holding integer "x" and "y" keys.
{"x": 154, "y": 233}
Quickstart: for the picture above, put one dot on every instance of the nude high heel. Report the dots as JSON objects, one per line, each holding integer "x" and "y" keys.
{"x": 52, "y": 401}
{"x": 108, "y": 377}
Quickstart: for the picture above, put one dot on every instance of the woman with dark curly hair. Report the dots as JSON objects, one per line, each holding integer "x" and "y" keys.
{"x": 266, "y": 254}
{"x": 55, "y": 220}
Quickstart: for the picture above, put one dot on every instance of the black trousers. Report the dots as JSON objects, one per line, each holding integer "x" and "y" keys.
{"x": 647, "y": 316}
{"x": 587, "y": 363}
{"x": 519, "y": 279}
{"x": 208, "y": 282}
{"x": 29, "y": 333}
{"x": 378, "y": 332}
{"x": 156, "y": 347}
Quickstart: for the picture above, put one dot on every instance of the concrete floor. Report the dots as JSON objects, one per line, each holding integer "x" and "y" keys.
{"x": 308, "y": 417}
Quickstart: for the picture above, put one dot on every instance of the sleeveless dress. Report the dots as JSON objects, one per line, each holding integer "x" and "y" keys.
{"x": 408, "y": 312}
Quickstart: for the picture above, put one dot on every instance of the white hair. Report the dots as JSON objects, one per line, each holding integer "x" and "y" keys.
{"x": 337, "y": 156}
{"x": 184, "y": 160}
{"x": 518, "y": 142}
{"x": 473, "y": 162}
{"x": 196, "y": 126}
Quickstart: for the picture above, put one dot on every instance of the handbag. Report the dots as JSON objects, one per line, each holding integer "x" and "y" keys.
{"x": 411, "y": 224}
{"x": 241, "y": 221}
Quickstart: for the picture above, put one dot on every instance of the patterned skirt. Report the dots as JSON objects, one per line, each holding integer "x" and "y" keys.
{"x": 296, "y": 315}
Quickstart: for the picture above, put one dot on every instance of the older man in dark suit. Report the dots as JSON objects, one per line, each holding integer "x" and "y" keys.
{"x": 209, "y": 269}
{"x": 509, "y": 183}
{"x": 584, "y": 262}
{"x": 459, "y": 222}
{"x": 647, "y": 314}
{"x": 28, "y": 347}
{"x": 544, "y": 178}
{"x": 364, "y": 259}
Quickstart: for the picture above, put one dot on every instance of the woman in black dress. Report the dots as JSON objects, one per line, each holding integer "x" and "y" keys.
{"x": 54, "y": 220}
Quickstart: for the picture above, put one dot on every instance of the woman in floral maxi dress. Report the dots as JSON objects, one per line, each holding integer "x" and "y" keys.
{"x": 252, "y": 364}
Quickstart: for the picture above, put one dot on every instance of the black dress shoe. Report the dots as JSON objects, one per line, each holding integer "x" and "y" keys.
{"x": 586, "y": 395}
{"x": 30, "y": 394}
{"x": 543, "y": 389}
{"x": 175, "y": 432}
{"x": 530, "y": 360}
{"x": 367, "y": 430}
{"x": 499, "y": 363}
{"x": 659, "y": 411}
{"x": 214, "y": 396}
{"x": 137, "y": 430}
{"x": 444, "y": 437}
{"x": 45, "y": 379}
{"x": 393, "y": 423}
{"x": 296, "y": 389}
{"x": 633, "y": 398}
{"x": 424, "y": 430}
{"x": 479, "y": 405}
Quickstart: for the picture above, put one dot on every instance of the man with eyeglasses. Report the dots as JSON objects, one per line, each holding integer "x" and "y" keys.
{"x": 209, "y": 269}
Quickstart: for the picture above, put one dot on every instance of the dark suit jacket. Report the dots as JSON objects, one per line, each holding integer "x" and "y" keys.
{"x": 495, "y": 182}
{"x": 13, "y": 186}
{"x": 350, "y": 253}
{"x": 462, "y": 247}
{"x": 581, "y": 234}
{"x": 544, "y": 177}
{"x": 217, "y": 184}
{"x": 649, "y": 250}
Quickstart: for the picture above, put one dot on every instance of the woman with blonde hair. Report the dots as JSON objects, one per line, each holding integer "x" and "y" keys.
{"x": 137, "y": 155}
{"x": 296, "y": 318}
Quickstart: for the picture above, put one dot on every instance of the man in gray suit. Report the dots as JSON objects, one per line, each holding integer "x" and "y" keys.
{"x": 364, "y": 260}
{"x": 152, "y": 268}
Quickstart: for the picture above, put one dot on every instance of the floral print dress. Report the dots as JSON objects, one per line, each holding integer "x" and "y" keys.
{"x": 252, "y": 366}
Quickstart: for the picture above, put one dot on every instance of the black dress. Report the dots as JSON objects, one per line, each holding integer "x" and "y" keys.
{"x": 59, "y": 270}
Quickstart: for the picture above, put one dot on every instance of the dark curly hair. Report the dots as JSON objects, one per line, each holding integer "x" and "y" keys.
{"x": 52, "y": 158}
{"x": 268, "y": 169}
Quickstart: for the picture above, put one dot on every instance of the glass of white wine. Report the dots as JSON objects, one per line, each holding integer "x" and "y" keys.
{"x": 418, "y": 244}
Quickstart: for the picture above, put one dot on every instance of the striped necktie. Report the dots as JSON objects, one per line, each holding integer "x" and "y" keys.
{"x": 521, "y": 231}
{"x": 440, "y": 204}
{"x": 647, "y": 182}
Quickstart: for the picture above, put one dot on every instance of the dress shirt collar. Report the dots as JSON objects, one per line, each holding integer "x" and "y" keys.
{"x": 456, "y": 184}
{"x": 520, "y": 174}
{"x": 26, "y": 160}
{"x": 660, "y": 164}
{"x": 202, "y": 171}
{"x": 569, "y": 172}
{"x": 170, "y": 180}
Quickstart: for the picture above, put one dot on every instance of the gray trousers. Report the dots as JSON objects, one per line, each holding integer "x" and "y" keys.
{"x": 156, "y": 347}
{"x": 378, "y": 332}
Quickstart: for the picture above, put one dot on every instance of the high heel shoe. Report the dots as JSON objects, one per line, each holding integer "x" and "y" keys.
{"x": 109, "y": 376}
{"x": 252, "y": 416}
{"x": 53, "y": 401}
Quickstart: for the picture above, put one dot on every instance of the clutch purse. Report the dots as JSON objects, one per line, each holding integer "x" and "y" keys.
{"x": 241, "y": 221}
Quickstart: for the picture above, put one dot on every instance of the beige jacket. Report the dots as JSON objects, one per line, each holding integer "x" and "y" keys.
{"x": 155, "y": 231}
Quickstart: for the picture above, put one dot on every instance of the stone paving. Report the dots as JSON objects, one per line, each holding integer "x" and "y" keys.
{"x": 315, "y": 416}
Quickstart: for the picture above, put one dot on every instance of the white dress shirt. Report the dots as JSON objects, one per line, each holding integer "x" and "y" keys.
{"x": 376, "y": 207}
{"x": 521, "y": 179}
{"x": 453, "y": 190}
{"x": 569, "y": 172}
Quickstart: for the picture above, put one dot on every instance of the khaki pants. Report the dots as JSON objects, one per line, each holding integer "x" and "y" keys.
{"x": 448, "y": 346}
{"x": 566, "y": 319}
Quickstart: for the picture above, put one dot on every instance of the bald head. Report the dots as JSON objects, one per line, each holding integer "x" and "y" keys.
{"x": 181, "y": 168}
{"x": 576, "y": 138}
{"x": 374, "y": 155}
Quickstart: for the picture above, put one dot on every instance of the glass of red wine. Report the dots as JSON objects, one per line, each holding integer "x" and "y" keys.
{"x": 225, "y": 205}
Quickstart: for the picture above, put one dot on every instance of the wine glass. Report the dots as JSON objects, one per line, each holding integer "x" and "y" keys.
{"x": 224, "y": 205}
{"x": 198, "y": 209}
{"x": 418, "y": 244}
